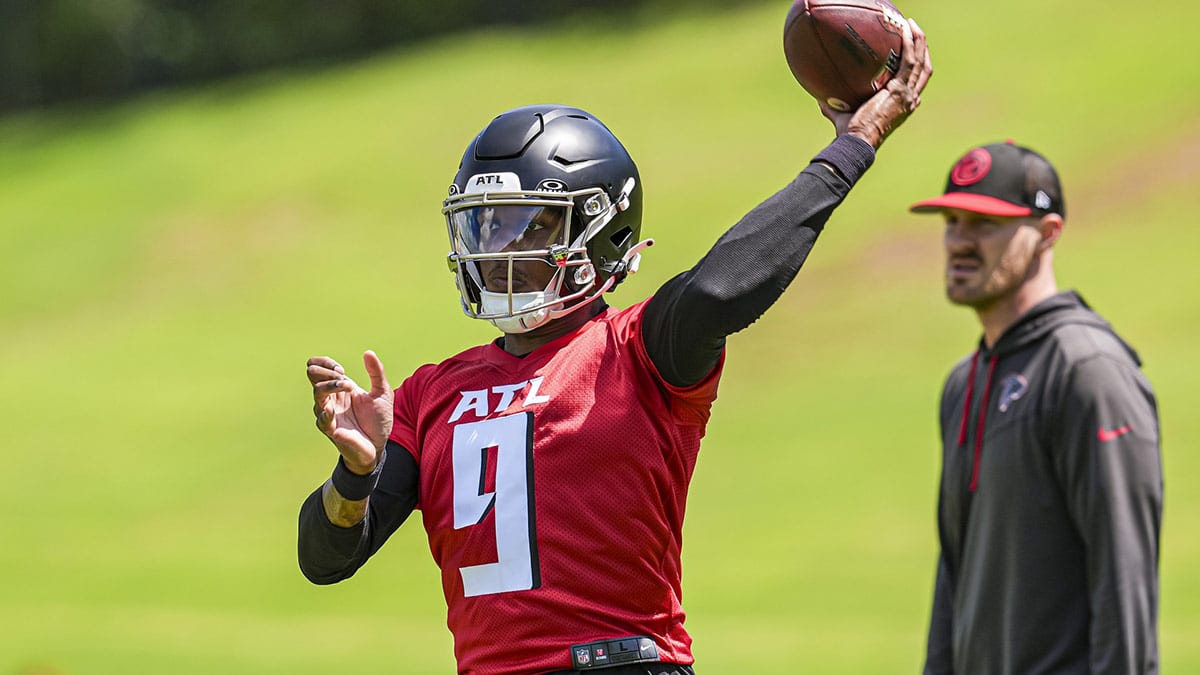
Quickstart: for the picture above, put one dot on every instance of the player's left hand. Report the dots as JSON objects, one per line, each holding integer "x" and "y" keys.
{"x": 881, "y": 114}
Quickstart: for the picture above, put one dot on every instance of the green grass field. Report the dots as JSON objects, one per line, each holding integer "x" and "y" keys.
{"x": 167, "y": 265}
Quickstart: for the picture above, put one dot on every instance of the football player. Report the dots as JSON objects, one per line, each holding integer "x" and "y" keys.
{"x": 551, "y": 466}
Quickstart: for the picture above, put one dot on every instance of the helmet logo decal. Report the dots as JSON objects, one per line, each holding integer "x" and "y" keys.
{"x": 453, "y": 189}
{"x": 971, "y": 168}
{"x": 493, "y": 182}
{"x": 552, "y": 185}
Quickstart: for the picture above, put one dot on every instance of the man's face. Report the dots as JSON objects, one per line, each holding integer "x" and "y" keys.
{"x": 515, "y": 229}
{"x": 528, "y": 276}
{"x": 988, "y": 258}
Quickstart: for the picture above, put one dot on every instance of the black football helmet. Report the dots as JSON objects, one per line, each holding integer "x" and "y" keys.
{"x": 546, "y": 183}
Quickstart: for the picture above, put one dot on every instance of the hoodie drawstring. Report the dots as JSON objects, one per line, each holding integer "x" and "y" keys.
{"x": 962, "y": 430}
{"x": 983, "y": 408}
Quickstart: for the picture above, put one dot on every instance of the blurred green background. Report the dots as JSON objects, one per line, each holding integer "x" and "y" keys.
{"x": 168, "y": 262}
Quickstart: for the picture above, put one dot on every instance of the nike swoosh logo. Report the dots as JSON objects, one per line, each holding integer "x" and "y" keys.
{"x": 1107, "y": 435}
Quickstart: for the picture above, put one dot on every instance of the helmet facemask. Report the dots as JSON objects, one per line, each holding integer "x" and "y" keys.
{"x": 491, "y": 232}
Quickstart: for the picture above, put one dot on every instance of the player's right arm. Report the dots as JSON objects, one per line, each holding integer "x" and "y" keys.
{"x": 373, "y": 488}
{"x": 688, "y": 319}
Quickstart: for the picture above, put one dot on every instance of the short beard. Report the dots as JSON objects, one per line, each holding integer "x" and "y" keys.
{"x": 1005, "y": 280}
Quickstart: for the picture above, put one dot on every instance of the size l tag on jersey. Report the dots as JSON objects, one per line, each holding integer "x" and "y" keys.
{"x": 613, "y": 652}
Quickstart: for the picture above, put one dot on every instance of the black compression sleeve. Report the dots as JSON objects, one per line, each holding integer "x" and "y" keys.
{"x": 328, "y": 553}
{"x": 745, "y": 272}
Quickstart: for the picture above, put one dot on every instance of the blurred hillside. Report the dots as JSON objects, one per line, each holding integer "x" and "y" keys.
{"x": 54, "y": 51}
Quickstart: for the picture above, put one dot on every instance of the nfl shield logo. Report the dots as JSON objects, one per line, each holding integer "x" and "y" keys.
{"x": 583, "y": 657}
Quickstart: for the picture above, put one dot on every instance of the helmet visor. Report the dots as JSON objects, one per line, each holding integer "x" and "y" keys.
{"x": 508, "y": 228}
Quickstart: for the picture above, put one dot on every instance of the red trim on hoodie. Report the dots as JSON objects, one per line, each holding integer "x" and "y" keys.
{"x": 962, "y": 429}
{"x": 987, "y": 390}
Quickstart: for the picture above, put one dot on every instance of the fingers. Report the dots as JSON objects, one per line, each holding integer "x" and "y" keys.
{"x": 374, "y": 366}
{"x": 326, "y": 388}
{"x": 326, "y": 404}
{"x": 924, "y": 66}
{"x": 915, "y": 69}
{"x": 919, "y": 41}
{"x": 328, "y": 379}
{"x": 322, "y": 368}
{"x": 910, "y": 53}
{"x": 840, "y": 120}
{"x": 326, "y": 362}
{"x": 324, "y": 420}
{"x": 327, "y": 376}
{"x": 825, "y": 109}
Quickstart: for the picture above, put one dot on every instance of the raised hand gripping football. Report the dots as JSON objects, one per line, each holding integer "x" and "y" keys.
{"x": 888, "y": 108}
{"x": 358, "y": 421}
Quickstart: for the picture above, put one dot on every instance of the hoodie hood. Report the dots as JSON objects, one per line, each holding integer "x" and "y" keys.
{"x": 1058, "y": 310}
{"x": 1064, "y": 308}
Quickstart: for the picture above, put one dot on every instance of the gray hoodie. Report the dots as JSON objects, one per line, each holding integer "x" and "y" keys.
{"x": 1050, "y": 504}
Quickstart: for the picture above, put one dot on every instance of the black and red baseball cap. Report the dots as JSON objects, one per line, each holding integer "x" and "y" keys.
{"x": 1001, "y": 179}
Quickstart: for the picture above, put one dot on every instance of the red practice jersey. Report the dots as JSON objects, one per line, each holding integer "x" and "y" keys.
{"x": 553, "y": 489}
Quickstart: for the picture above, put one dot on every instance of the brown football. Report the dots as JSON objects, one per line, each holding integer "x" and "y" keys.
{"x": 843, "y": 51}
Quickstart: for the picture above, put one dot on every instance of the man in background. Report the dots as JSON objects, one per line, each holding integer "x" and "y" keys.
{"x": 1051, "y": 491}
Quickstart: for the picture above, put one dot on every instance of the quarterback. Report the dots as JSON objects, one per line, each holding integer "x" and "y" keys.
{"x": 551, "y": 466}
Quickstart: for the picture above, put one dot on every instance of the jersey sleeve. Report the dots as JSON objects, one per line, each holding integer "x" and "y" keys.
{"x": 748, "y": 268}
{"x": 688, "y": 404}
{"x": 1110, "y": 466}
{"x": 406, "y": 411}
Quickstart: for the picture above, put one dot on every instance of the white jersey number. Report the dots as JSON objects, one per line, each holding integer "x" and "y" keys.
{"x": 510, "y": 439}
